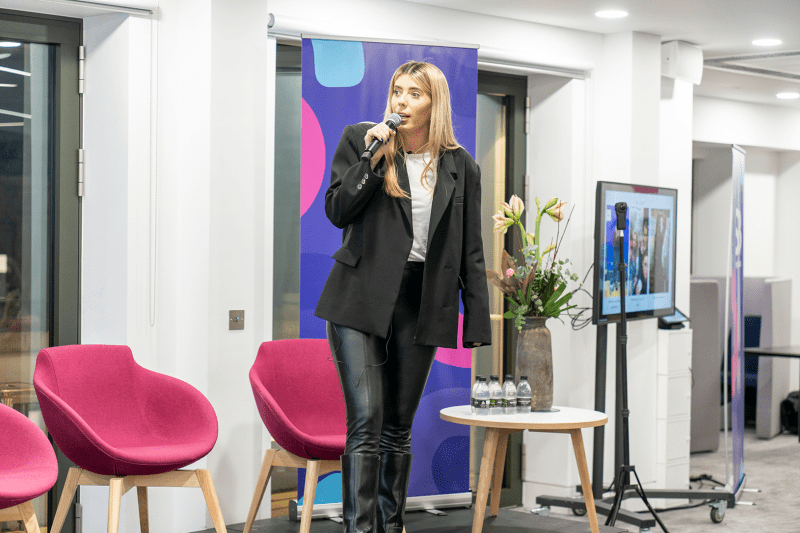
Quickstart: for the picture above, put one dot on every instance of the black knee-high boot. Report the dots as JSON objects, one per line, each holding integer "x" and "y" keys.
{"x": 359, "y": 491}
{"x": 393, "y": 477}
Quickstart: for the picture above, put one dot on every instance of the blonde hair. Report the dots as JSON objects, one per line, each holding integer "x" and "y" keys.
{"x": 440, "y": 129}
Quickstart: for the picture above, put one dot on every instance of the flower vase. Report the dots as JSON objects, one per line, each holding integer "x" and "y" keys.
{"x": 535, "y": 360}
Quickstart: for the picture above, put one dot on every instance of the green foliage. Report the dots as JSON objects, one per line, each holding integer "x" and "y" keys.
{"x": 538, "y": 286}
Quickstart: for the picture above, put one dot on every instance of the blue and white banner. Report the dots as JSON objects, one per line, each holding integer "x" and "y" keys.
{"x": 735, "y": 286}
{"x": 346, "y": 82}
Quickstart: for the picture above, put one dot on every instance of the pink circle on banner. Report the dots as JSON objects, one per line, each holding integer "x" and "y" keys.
{"x": 312, "y": 158}
{"x": 460, "y": 357}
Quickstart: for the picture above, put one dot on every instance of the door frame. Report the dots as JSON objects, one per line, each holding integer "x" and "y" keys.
{"x": 64, "y": 203}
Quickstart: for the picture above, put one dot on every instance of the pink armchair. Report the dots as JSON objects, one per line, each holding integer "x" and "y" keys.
{"x": 123, "y": 426}
{"x": 299, "y": 398}
{"x": 28, "y": 468}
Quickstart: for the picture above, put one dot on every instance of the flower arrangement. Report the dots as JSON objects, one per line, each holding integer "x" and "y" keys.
{"x": 535, "y": 288}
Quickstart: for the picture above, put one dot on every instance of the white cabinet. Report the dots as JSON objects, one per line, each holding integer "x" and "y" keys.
{"x": 673, "y": 413}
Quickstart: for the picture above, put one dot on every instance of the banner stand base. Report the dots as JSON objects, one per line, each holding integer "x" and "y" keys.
{"x": 431, "y": 504}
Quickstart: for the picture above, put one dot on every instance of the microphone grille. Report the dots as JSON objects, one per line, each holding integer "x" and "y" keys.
{"x": 394, "y": 118}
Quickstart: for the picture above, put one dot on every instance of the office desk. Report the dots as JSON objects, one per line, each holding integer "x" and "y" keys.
{"x": 777, "y": 351}
{"x": 498, "y": 427}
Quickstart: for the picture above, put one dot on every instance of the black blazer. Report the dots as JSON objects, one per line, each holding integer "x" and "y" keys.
{"x": 363, "y": 285}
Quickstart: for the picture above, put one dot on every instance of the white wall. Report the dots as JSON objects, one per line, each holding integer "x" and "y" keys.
{"x": 787, "y": 253}
{"x": 104, "y": 312}
{"x": 758, "y": 213}
{"x": 711, "y": 220}
{"x": 557, "y": 168}
{"x": 527, "y": 42}
{"x": 175, "y": 224}
{"x": 758, "y": 125}
{"x": 675, "y": 171}
{"x": 713, "y": 206}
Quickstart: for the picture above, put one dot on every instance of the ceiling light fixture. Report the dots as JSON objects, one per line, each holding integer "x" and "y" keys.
{"x": 8, "y": 84}
{"x": 5, "y": 56}
{"x": 611, "y": 14}
{"x": 767, "y": 42}
{"x": 788, "y": 96}
{"x": 9, "y": 44}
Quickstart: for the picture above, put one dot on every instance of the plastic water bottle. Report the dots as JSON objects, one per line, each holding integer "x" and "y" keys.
{"x": 523, "y": 395}
{"x": 482, "y": 397}
{"x": 509, "y": 395}
{"x": 495, "y": 396}
{"x": 473, "y": 395}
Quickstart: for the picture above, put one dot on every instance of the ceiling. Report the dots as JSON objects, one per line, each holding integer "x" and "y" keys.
{"x": 723, "y": 29}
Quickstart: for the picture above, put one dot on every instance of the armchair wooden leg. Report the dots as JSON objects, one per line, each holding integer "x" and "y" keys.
{"x": 28, "y": 517}
{"x": 115, "y": 490}
{"x": 207, "y": 485}
{"x": 141, "y": 493}
{"x": 70, "y": 486}
{"x": 312, "y": 475}
{"x": 261, "y": 487}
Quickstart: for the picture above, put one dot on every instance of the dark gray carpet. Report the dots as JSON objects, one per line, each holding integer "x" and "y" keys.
{"x": 773, "y": 466}
{"x": 458, "y": 520}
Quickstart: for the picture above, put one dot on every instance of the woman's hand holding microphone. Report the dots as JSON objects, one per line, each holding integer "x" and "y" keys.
{"x": 381, "y": 134}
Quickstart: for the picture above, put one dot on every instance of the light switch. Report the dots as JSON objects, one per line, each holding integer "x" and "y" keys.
{"x": 236, "y": 319}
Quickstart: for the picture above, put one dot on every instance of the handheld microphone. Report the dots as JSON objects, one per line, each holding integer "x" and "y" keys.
{"x": 392, "y": 121}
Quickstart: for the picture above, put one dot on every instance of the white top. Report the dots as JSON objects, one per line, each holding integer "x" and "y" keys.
{"x": 564, "y": 418}
{"x": 421, "y": 200}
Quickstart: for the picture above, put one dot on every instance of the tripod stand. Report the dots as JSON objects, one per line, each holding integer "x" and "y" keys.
{"x": 623, "y": 478}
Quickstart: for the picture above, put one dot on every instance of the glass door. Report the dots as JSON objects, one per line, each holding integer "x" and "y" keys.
{"x": 26, "y": 171}
{"x": 39, "y": 208}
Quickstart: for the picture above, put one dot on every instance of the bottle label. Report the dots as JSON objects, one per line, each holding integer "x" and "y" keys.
{"x": 509, "y": 402}
{"x": 524, "y": 402}
{"x": 482, "y": 403}
{"x": 493, "y": 403}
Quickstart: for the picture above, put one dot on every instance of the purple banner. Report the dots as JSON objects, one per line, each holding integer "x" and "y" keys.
{"x": 737, "y": 319}
{"x": 346, "y": 82}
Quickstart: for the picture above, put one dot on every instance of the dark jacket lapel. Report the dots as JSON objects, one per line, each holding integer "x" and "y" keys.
{"x": 445, "y": 184}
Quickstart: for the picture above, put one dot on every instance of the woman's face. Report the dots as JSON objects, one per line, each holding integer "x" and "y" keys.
{"x": 412, "y": 104}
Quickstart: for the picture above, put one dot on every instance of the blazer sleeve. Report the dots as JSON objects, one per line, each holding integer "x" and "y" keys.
{"x": 475, "y": 291}
{"x": 353, "y": 182}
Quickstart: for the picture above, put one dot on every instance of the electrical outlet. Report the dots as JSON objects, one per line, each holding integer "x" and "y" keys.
{"x": 236, "y": 320}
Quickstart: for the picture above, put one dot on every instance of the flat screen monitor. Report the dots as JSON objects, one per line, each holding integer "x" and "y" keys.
{"x": 649, "y": 252}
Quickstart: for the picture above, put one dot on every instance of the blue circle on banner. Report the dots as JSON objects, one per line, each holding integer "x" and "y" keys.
{"x": 338, "y": 63}
{"x": 450, "y": 465}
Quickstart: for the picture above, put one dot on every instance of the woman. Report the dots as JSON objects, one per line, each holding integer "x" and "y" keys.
{"x": 411, "y": 239}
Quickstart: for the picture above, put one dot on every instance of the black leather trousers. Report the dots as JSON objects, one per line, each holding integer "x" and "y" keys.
{"x": 383, "y": 379}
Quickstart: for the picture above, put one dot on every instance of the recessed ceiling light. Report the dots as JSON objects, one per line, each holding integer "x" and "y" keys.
{"x": 5, "y": 56}
{"x": 788, "y": 96}
{"x": 9, "y": 44}
{"x": 611, "y": 14}
{"x": 767, "y": 42}
{"x": 8, "y": 84}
